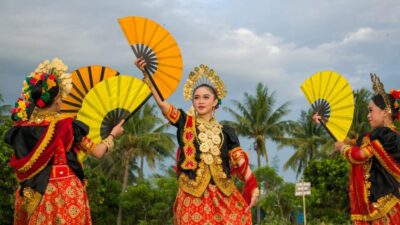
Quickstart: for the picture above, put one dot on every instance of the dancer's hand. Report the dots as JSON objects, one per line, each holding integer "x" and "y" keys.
{"x": 253, "y": 201}
{"x": 118, "y": 130}
{"x": 338, "y": 145}
{"x": 140, "y": 64}
{"x": 316, "y": 117}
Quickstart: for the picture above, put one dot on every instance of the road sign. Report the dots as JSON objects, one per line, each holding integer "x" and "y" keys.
{"x": 303, "y": 188}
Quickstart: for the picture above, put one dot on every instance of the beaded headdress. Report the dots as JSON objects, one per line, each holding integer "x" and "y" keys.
{"x": 49, "y": 74}
{"x": 203, "y": 75}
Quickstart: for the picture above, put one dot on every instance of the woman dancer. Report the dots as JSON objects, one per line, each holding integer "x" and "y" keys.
{"x": 46, "y": 143}
{"x": 375, "y": 169}
{"x": 209, "y": 153}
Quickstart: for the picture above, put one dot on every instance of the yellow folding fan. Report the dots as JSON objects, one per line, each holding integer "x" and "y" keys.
{"x": 160, "y": 50}
{"x": 109, "y": 102}
{"x": 83, "y": 80}
{"x": 331, "y": 96}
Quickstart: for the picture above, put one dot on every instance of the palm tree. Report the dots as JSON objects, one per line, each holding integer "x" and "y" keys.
{"x": 307, "y": 138}
{"x": 144, "y": 139}
{"x": 256, "y": 119}
{"x": 360, "y": 123}
{"x": 4, "y": 110}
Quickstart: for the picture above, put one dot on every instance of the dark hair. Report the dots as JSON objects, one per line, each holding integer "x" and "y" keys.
{"x": 380, "y": 102}
{"x": 47, "y": 97}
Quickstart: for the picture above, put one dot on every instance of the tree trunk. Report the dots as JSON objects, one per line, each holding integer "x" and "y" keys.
{"x": 279, "y": 205}
{"x": 141, "y": 171}
{"x": 259, "y": 166}
{"x": 266, "y": 152}
{"x": 124, "y": 184}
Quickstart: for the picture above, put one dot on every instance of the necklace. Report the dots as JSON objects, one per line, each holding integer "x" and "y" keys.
{"x": 44, "y": 115}
{"x": 209, "y": 139}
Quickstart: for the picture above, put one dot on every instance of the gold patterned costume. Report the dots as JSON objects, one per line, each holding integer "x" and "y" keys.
{"x": 207, "y": 193}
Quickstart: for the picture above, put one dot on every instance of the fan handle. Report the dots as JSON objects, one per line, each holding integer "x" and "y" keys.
{"x": 140, "y": 106}
{"x": 326, "y": 128}
{"x": 154, "y": 84}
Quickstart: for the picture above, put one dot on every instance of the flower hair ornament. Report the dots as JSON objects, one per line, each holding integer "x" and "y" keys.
{"x": 396, "y": 96}
{"x": 48, "y": 75}
{"x": 203, "y": 75}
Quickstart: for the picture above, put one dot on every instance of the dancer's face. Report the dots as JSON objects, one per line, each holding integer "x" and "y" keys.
{"x": 204, "y": 101}
{"x": 376, "y": 115}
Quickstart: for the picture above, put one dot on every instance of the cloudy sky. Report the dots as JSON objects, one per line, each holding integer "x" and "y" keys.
{"x": 278, "y": 43}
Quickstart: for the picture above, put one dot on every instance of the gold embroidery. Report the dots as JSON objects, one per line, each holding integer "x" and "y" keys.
{"x": 382, "y": 207}
{"x": 224, "y": 184}
{"x": 86, "y": 145}
{"x": 346, "y": 151}
{"x": 53, "y": 118}
{"x": 173, "y": 114}
{"x": 47, "y": 137}
{"x": 189, "y": 150}
{"x": 211, "y": 162}
{"x": 384, "y": 158}
{"x": 236, "y": 155}
{"x": 384, "y": 204}
{"x": 204, "y": 173}
{"x": 31, "y": 200}
{"x": 197, "y": 186}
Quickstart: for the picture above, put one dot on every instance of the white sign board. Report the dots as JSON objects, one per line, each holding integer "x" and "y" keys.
{"x": 303, "y": 188}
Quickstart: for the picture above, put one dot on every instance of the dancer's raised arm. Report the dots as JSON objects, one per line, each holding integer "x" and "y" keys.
{"x": 164, "y": 106}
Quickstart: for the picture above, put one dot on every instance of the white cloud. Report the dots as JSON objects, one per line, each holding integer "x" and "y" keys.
{"x": 362, "y": 34}
{"x": 277, "y": 43}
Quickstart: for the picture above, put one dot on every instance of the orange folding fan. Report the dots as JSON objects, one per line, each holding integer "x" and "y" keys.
{"x": 160, "y": 50}
{"x": 83, "y": 80}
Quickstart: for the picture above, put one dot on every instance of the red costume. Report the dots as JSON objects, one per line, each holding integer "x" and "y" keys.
{"x": 47, "y": 168}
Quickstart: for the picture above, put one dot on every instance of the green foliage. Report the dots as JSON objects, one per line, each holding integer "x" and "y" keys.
{"x": 8, "y": 181}
{"x": 103, "y": 197}
{"x": 360, "y": 123}
{"x": 329, "y": 200}
{"x": 278, "y": 200}
{"x": 307, "y": 138}
{"x": 152, "y": 202}
{"x": 4, "y": 111}
{"x": 256, "y": 119}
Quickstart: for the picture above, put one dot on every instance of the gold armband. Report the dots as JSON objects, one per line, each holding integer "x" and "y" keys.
{"x": 344, "y": 149}
{"x": 108, "y": 141}
{"x": 255, "y": 193}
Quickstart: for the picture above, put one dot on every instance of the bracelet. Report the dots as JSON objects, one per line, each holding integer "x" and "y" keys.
{"x": 344, "y": 149}
{"x": 255, "y": 193}
{"x": 108, "y": 142}
{"x": 112, "y": 135}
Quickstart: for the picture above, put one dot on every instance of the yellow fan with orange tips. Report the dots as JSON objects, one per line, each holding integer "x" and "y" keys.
{"x": 83, "y": 80}
{"x": 331, "y": 96}
{"x": 159, "y": 49}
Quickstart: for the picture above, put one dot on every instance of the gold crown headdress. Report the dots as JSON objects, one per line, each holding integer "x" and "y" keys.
{"x": 379, "y": 89}
{"x": 203, "y": 75}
